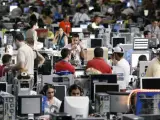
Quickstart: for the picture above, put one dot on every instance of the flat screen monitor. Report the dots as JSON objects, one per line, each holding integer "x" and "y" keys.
{"x": 79, "y": 110}
{"x": 77, "y": 30}
{"x": 150, "y": 83}
{"x": 136, "y": 55}
{"x": 96, "y": 43}
{"x": 3, "y": 86}
{"x": 118, "y": 40}
{"x": 12, "y": 7}
{"x": 118, "y": 102}
{"x": 140, "y": 44}
{"x": 30, "y": 104}
{"x": 101, "y": 87}
{"x": 107, "y": 78}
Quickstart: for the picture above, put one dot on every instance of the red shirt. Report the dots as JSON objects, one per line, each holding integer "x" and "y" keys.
{"x": 66, "y": 26}
{"x": 100, "y": 65}
{"x": 2, "y": 70}
{"x": 64, "y": 66}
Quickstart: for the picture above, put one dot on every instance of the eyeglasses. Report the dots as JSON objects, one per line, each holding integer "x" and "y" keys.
{"x": 50, "y": 92}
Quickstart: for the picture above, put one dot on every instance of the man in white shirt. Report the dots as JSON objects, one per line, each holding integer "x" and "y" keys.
{"x": 120, "y": 62}
{"x": 76, "y": 48}
{"x": 25, "y": 56}
{"x": 80, "y": 17}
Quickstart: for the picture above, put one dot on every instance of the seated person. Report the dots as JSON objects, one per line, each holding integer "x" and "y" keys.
{"x": 147, "y": 34}
{"x": 76, "y": 49}
{"x": 76, "y": 90}
{"x": 98, "y": 62}
{"x": 50, "y": 103}
{"x": 6, "y": 59}
{"x": 64, "y": 64}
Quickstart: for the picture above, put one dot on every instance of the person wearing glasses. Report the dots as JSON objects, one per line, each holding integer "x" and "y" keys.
{"x": 77, "y": 50}
{"x": 50, "y": 103}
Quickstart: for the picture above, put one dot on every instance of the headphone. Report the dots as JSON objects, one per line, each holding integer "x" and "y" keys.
{"x": 46, "y": 87}
{"x": 73, "y": 87}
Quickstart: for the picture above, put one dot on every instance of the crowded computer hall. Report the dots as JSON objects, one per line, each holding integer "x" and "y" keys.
{"x": 79, "y": 59}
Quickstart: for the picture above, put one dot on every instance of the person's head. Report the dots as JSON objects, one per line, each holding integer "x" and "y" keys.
{"x": 154, "y": 23}
{"x": 6, "y": 59}
{"x": 66, "y": 53}
{"x": 118, "y": 53}
{"x": 33, "y": 18}
{"x": 142, "y": 58}
{"x": 48, "y": 90}
{"x": 30, "y": 42}
{"x": 33, "y": 24}
{"x": 61, "y": 32}
{"x": 75, "y": 90}
{"x": 75, "y": 39}
{"x": 98, "y": 52}
{"x": 82, "y": 9}
{"x": 66, "y": 18}
{"x": 19, "y": 38}
{"x": 98, "y": 19}
{"x": 147, "y": 34}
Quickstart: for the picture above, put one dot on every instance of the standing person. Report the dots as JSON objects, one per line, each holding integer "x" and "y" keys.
{"x": 32, "y": 33}
{"x": 25, "y": 56}
{"x": 65, "y": 25}
{"x": 60, "y": 39}
{"x": 51, "y": 104}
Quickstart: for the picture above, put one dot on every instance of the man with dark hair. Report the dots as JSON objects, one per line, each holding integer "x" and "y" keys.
{"x": 64, "y": 64}
{"x": 147, "y": 34}
{"x": 77, "y": 50}
{"x": 6, "y": 59}
{"x": 98, "y": 62}
{"x": 120, "y": 62}
{"x": 25, "y": 56}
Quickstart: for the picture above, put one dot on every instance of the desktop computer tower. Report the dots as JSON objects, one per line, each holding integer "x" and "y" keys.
{"x": 7, "y": 106}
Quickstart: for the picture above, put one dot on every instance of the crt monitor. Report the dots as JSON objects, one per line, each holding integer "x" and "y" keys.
{"x": 118, "y": 40}
{"x": 30, "y": 104}
{"x": 96, "y": 43}
{"x": 77, "y": 107}
{"x": 150, "y": 83}
{"x": 3, "y": 86}
{"x": 108, "y": 78}
{"x": 118, "y": 102}
{"x": 102, "y": 87}
{"x": 135, "y": 56}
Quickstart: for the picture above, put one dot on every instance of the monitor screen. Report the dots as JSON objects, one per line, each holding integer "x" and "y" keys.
{"x": 29, "y": 105}
{"x": 60, "y": 92}
{"x": 140, "y": 44}
{"x": 108, "y": 78}
{"x": 105, "y": 87}
{"x": 96, "y": 43}
{"x": 12, "y": 7}
{"x": 3, "y": 86}
{"x": 150, "y": 83}
{"x": 118, "y": 102}
{"x": 118, "y": 40}
{"x": 135, "y": 56}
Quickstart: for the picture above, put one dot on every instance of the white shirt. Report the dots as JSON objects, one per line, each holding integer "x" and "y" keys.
{"x": 153, "y": 30}
{"x": 126, "y": 70}
{"x": 54, "y": 107}
{"x": 80, "y": 17}
{"x": 26, "y": 56}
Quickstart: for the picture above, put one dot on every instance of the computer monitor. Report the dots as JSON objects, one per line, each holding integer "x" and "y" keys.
{"x": 60, "y": 92}
{"x": 77, "y": 107}
{"x": 102, "y": 87}
{"x": 3, "y": 86}
{"x": 30, "y": 104}
{"x": 118, "y": 102}
{"x": 140, "y": 44}
{"x": 96, "y": 43}
{"x": 108, "y": 78}
{"x": 118, "y": 40}
{"x": 135, "y": 56}
{"x": 12, "y": 7}
{"x": 127, "y": 37}
{"x": 77, "y": 30}
{"x": 150, "y": 83}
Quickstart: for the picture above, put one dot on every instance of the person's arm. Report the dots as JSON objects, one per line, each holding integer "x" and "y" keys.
{"x": 82, "y": 51}
{"x": 41, "y": 58}
{"x": 65, "y": 40}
